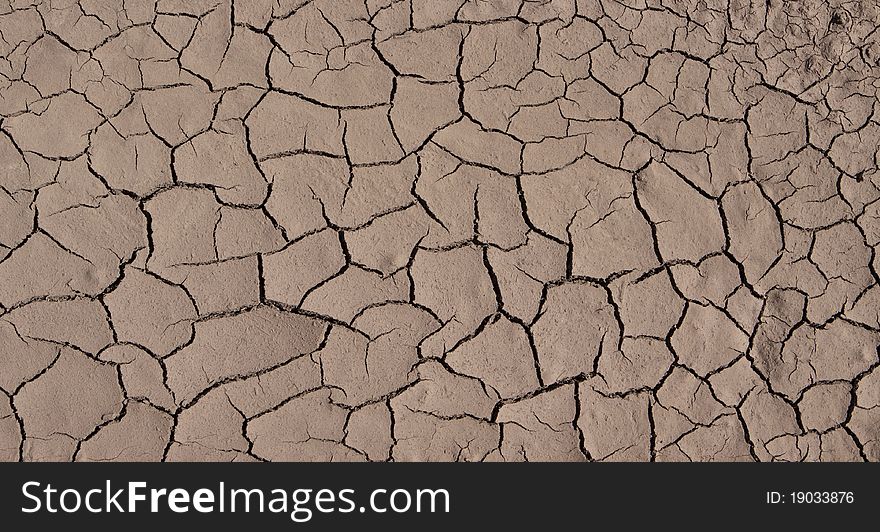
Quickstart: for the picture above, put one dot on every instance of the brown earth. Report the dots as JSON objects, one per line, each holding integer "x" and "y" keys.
{"x": 439, "y": 230}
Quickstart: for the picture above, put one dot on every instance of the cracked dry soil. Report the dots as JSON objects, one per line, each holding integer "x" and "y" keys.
{"x": 439, "y": 230}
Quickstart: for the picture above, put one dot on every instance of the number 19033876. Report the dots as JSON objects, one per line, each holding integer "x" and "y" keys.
{"x": 811, "y": 497}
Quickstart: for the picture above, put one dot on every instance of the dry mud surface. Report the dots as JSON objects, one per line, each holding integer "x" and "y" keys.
{"x": 439, "y": 230}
